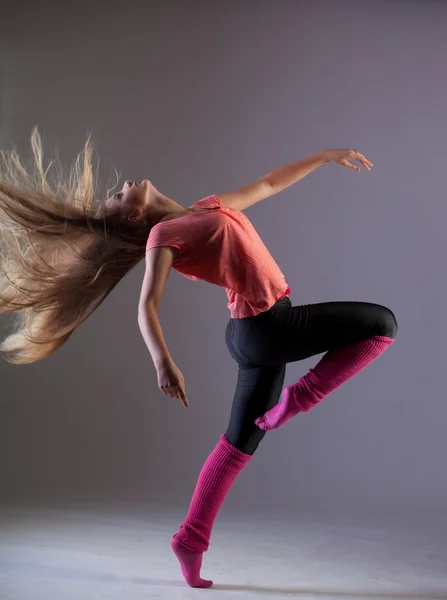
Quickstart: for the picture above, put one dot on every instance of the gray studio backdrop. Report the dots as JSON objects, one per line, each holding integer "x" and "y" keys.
{"x": 201, "y": 98}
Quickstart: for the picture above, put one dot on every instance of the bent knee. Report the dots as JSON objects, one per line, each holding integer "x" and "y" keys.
{"x": 388, "y": 324}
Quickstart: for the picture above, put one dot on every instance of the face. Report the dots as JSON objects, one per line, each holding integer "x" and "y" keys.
{"x": 133, "y": 198}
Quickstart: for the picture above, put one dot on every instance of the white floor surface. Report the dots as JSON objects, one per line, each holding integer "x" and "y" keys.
{"x": 122, "y": 552}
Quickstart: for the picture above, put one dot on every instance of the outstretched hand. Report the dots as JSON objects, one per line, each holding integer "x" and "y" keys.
{"x": 344, "y": 158}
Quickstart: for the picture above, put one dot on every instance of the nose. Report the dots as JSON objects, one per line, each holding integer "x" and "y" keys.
{"x": 127, "y": 183}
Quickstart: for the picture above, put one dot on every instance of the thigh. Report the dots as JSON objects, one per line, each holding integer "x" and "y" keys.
{"x": 292, "y": 333}
{"x": 258, "y": 389}
{"x": 316, "y": 328}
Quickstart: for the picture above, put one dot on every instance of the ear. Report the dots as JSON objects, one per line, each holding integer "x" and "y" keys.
{"x": 135, "y": 216}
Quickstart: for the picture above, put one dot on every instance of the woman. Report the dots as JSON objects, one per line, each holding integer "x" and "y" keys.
{"x": 62, "y": 257}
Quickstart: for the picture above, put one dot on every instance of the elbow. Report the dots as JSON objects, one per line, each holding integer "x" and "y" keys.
{"x": 142, "y": 312}
{"x": 145, "y": 308}
{"x": 272, "y": 187}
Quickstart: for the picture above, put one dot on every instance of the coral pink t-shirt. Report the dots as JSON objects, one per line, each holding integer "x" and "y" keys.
{"x": 220, "y": 245}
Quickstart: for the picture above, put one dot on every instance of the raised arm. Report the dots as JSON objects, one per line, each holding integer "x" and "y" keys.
{"x": 159, "y": 262}
{"x": 275, "y": 181}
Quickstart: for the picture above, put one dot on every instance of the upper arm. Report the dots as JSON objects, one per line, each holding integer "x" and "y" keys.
{"x": 248, "y": 194}
{"x": 159, "y": 263}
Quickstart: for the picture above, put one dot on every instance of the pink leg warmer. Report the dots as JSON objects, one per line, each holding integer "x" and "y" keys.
{"x": 218, "y": 473}
{"x": 334, "y": 369}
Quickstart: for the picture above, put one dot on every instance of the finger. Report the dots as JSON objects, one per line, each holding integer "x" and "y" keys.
{"x": 364, "y": 163}
{"x": 346, "y": 163}
{"x": 367, "y": 160}
{"x": 180, "y": 394}
{"x": 361, "y": 158}
{"x": 184, "y": 399}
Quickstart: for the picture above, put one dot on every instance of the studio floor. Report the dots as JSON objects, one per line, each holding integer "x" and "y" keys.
{"x": 122, "y": 552}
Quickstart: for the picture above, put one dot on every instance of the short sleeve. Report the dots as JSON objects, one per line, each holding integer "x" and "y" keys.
{"x": 208, "y": 202}
{"x": 160, "y": 236}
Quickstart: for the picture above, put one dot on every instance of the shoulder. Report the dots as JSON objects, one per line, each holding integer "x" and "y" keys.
{"x": 212, "y": 201}
{"x": 162, "y": 234}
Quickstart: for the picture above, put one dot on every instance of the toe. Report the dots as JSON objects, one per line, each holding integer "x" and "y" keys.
{"x": 200, "y": 583}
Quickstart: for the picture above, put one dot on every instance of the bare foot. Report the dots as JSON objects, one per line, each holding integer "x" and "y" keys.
{"x": 191, "y": 563}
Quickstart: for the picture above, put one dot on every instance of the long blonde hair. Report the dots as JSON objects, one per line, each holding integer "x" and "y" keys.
{"x": 60, "y": 255}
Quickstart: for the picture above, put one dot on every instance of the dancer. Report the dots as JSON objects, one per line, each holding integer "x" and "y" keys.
{"x": 61, "y": 257}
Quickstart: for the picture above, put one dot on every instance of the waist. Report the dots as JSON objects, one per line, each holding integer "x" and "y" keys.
{"x": 282, "y": 302}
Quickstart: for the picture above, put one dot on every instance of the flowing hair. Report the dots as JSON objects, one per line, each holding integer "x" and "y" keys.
{"x": 60, "y": 255}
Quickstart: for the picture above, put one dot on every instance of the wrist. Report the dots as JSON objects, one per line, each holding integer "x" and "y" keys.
{"x": 163, "y": 362}
{"x": 324, "y": 156}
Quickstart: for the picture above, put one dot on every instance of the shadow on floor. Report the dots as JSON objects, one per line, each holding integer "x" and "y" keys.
{"x": 357, "y": 594}
{"x": 52, "y": 572}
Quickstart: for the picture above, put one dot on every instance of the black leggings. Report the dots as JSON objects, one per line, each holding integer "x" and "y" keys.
{"x": 264, "y": 344}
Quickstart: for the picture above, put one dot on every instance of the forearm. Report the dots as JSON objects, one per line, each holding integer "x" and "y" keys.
{"x": 151, "y": 331}
{"x": 286, "y": 176}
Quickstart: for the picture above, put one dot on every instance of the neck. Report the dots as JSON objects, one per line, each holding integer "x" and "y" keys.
{"x": 161, "y": 207}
